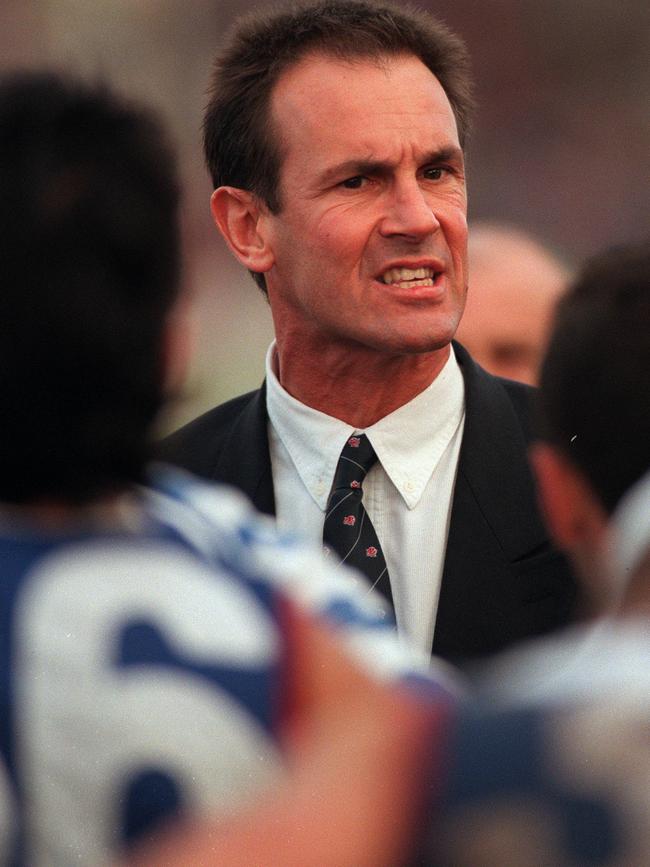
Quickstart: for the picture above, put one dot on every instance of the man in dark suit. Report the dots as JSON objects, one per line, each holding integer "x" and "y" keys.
{"x": 335, "y": 136}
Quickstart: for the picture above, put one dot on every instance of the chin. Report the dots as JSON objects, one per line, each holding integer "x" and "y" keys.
{"x": 430, "y": 341}
{"x": 413, "y": 345}
{"x": 410, "y": 336}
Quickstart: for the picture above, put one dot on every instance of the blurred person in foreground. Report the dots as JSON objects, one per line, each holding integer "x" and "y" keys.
{"x": 335, "y": 138}
{"x": 514, "y": 284}
{"x": 556, "y": 773}
{"x": 149, "y": 660}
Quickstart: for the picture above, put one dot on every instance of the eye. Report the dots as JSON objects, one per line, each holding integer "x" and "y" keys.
{"x": 354, "y": 183}
{"x": 434, "y": 173}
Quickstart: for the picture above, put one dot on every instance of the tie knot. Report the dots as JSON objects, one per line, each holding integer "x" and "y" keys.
{"x": 359, "y": 449}
{"x": 357, "y": 456}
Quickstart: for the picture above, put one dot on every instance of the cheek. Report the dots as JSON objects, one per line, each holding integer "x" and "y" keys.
{"x": 343, "y": 233}
{"x": 456, "y": 232}
{"x": 457, "y": 228}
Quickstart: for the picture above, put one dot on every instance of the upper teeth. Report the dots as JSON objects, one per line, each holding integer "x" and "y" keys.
{"x": 398, "y": 275}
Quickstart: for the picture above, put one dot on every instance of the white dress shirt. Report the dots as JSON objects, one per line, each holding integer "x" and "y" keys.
{"x": 407, "y": 493}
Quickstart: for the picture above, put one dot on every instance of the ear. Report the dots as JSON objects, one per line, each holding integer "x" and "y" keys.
{"x": 572, "y": 510}
{"x": 240, "y": 217}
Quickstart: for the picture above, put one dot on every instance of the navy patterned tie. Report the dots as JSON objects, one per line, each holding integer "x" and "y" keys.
{"x": 348, "y": 529}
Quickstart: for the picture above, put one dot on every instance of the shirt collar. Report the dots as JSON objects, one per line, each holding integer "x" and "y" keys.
{"x": 409, "y": 442}
{"x": 313, "y": 439}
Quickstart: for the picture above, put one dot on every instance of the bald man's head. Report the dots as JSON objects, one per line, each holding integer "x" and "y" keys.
{"x": 514, "y": 283}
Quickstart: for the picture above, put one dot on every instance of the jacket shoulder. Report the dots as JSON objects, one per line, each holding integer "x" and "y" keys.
{"x": 487, "y": 394}
{"x": 523, "y": 399}
{"x": 197, "y": 445}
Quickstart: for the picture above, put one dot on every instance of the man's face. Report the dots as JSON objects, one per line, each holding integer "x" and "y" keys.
{"x": 369, "y": 248}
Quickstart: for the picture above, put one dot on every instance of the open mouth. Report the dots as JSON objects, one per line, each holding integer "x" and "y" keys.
{"x": 408, "y": 277}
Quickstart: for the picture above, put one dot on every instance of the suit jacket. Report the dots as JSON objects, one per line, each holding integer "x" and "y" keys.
{"x": 502, "y": 580}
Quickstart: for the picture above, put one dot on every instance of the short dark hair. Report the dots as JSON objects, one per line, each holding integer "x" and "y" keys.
{"x": 241, "y": 149}
{"x": 89, "y": 263}
{"x": 594, "y": 395}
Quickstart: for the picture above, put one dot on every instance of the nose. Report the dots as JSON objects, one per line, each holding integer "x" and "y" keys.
{"x": 409, "y": 213}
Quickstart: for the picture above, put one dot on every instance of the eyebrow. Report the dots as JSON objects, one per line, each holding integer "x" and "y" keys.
{"x": 354, "y": 167}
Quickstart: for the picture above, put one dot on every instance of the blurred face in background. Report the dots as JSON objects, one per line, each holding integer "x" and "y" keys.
{"x": 514, "y": 283}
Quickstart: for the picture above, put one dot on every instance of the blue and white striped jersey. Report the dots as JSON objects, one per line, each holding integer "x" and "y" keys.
{"x": 143, "y": 670}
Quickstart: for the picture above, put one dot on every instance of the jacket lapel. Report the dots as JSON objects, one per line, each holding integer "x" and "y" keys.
{"x": 245, "y": 460}
{"x": 495, "y": 526}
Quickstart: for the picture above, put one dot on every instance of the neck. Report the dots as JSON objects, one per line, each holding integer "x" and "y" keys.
{"x": 358, "y": 388}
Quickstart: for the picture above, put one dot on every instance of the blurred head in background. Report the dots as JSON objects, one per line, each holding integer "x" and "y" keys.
{"x": 595, "y": 404}
{"x": 89, "y": 257}
{"x": 514, "y": 283}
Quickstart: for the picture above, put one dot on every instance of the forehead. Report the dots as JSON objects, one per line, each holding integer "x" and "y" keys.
{"x": 338, "y": 105}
